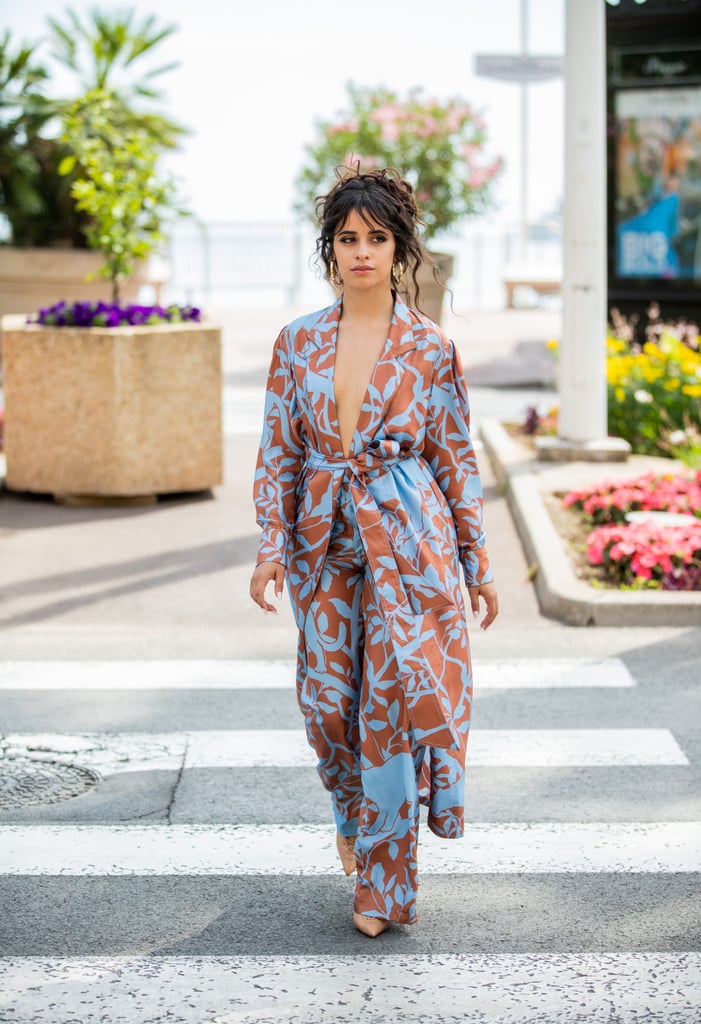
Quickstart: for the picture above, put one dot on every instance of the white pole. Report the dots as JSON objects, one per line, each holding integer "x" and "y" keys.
{"x": 583, "y": 350}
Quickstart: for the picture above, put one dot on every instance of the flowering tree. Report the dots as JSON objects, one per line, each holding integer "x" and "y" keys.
{"x": 437, "y": 146}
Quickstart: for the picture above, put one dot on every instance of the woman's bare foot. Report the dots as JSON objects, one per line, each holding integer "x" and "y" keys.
{"x": 346, "y": 851}
{"x": 370, "y": 926}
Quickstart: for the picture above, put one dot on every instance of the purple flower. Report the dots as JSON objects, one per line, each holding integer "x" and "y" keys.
{"x": 109, "y": 314}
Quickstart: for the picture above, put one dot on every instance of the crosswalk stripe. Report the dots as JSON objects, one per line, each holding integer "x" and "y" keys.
{"x": 115, "y": 753}
{"x": 532, "y": 847}
{"x": 509, "y": 988}
{"x": 533, "y": 673}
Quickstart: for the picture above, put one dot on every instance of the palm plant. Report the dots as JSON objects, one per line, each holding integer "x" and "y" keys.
{"x": 34, "y": 199}
{"x": 21, "y": 107}
{"x": 105, "y": 53}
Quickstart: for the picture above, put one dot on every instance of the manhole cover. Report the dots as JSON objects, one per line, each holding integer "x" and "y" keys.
{"x": 25, "y": 782}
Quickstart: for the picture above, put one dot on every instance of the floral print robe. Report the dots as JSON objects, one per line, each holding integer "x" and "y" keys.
{"x": 416, "y": 494}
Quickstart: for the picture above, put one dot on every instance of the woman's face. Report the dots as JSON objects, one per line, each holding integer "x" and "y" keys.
{"x": 364, "y": 253}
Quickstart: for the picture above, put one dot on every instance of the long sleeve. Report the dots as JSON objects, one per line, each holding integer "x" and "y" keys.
{"x": 449, "y": 452}
{"x": 279, "y": 458}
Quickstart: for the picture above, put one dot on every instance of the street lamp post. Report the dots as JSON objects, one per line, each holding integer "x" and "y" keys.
{"x": 523, "y": 233}
{"x": 523, "y": 69}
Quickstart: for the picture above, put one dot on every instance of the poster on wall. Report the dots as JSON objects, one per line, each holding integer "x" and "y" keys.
{"x": 657, "y": 205}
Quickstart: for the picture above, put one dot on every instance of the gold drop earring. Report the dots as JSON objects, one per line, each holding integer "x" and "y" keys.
{"x": 333, "y": 274}
{"x": 397, "y": 274}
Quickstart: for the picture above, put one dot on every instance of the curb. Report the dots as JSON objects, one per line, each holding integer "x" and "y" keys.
{"x": 560, "y": 593}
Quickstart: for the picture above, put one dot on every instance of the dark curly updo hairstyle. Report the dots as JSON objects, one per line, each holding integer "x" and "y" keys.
{"x": 380, "y": 196}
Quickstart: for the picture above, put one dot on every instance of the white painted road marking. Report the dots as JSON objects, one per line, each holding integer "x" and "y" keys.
{"x": 504, "y": 848}
{"x": 531, "y": 673}
{"x": 115, "y": 753}
{"x": 486, "y": 748}
{"x": 639, "y": 988}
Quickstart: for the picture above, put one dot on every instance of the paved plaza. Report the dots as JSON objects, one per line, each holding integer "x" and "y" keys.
{"x": 167, "y": 854}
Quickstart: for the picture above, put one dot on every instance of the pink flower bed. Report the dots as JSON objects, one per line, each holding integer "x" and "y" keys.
{"x": 648, "y": 554}
{"x": 611, "y": 500}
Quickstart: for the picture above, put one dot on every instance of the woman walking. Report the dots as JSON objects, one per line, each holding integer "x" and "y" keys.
{"x": 369, "y": 497}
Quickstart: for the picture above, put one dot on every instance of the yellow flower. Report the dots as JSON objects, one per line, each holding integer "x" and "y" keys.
{"x": 617, "y": 368}
{"x": 616, "y": 378}
{"x": 670, "y": 344}
{"x": 620, "y": 394}
{"x": 553, "y": 344}
{"x": 672, "y": 384}
{"x": 692, "y": 389}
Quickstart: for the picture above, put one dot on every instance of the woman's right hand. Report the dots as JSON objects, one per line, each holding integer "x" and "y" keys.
{"x": 262, "y": 576}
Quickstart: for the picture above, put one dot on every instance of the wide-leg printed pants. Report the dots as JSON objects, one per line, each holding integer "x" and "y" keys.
{"x": 349, "y": 693}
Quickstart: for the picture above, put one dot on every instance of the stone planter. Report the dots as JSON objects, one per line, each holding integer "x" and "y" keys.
{"x": 118, "y": 412}
{"x": 430, "y": 293}
{"x": 32, "y": 278}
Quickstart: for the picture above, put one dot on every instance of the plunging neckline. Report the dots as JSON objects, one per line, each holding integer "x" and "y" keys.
{"x": 368, "y": 386}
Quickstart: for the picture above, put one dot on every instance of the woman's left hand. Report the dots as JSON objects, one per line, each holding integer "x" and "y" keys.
{"x": 488, "y": 593}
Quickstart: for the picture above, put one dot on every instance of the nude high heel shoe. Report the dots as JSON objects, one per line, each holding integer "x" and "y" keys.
{"x": 370, "y": 926}
{"x": 346, "y": 851}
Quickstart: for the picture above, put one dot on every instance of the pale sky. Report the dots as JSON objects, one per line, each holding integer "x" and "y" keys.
{"x": 254, "y": 76}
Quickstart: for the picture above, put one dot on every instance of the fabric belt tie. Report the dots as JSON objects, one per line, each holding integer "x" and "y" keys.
{"x": 426, "y": 698}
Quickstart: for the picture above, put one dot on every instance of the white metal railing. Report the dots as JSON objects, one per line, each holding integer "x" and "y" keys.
{"x": 217, "y": 263}
{"x": 212, "y": 259}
